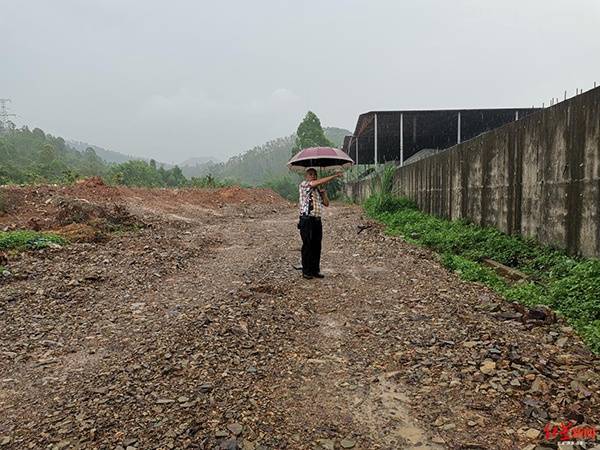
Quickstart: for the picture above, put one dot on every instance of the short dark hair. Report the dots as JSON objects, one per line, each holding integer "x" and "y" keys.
{"x": 310, "y": 169}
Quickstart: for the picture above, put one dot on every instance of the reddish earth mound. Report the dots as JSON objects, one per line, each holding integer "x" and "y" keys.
{"x": 92, "y": 202}
{"x": 49, "y": 207}
{"x": 93, "y": 182}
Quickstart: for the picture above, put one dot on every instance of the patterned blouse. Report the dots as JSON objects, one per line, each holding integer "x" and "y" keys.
{"x": 307, "y": 193}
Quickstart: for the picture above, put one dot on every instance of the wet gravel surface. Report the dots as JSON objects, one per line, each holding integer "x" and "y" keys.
{"x": 197, "y": 332}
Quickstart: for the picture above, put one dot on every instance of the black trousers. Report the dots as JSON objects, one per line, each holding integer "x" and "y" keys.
{"x": 311, "y": 232}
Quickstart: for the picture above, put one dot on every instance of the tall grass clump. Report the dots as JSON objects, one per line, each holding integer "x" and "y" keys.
{"x": 568, "y": 285}
{"x": 384, "y": 198}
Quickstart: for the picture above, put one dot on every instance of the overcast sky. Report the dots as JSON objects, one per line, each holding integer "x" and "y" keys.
{"x": 177, "y": 79}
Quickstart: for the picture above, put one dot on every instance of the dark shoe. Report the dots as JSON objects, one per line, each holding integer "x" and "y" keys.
{"x": 307, "y": 277}
{"x": 318, "y": 275}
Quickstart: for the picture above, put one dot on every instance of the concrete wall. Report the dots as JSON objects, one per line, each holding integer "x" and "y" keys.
{"x": 539, "y": 177}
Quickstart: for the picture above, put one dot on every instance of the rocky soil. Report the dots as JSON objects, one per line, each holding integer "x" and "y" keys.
{"x": 193, "y": 330}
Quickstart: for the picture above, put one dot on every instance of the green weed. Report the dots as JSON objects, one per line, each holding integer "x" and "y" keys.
{"x": 570, "y": 286}
{"x": 26, "y": 239}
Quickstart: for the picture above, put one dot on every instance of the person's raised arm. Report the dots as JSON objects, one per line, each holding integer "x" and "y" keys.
{"x": 325, "y": 180}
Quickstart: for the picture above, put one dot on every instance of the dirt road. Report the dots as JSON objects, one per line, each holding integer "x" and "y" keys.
{"x": 197, "y": 332}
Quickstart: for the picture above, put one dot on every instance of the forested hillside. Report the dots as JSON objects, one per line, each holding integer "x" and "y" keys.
{"x": 109, "y": 156}
{"x": 261, "y": 165}
{"x": 32, "y": 156}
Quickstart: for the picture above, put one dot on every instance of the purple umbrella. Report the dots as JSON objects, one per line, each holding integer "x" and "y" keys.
{"x": 324, "y": 157}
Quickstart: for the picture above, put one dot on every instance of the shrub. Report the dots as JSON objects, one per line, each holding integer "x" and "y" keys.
{"x": 207, "y": 181}
{"x": 284, "y": 186}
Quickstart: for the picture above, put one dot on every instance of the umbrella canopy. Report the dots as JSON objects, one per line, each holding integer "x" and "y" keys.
{"x": 324, "y": 157}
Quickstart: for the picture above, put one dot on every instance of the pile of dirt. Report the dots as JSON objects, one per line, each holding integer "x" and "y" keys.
{"x": 91, "y": 182}
{"x": 37, "y": 207}
{"x": 81, "y": 232}
{"x": 91, "y": 201}
{"x": 9, "y": 201}
{"x": 106, "y": 217}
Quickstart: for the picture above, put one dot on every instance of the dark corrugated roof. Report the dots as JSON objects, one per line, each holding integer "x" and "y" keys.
{"x": 436, "y": 129}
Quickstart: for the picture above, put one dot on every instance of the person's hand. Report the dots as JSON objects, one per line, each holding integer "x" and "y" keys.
{"x": 339, "y": 174}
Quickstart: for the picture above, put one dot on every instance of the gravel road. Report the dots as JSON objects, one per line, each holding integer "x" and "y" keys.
{"x": 198, "y": 333}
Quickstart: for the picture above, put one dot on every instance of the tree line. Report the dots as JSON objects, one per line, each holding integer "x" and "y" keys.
{"x": 34, "y": 157}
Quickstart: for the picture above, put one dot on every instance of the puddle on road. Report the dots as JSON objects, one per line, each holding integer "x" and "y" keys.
{"x": 385, "y": 412}
{"x": 331, "y": 329}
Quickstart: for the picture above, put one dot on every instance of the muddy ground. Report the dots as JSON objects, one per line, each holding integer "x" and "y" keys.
{"x": 193, "y": 330}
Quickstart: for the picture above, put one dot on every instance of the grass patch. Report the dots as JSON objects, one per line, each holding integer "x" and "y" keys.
{"x": 28, "y": 240}
{"x": 568, "y": 285}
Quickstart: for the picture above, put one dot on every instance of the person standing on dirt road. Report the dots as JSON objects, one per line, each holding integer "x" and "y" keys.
{"x": 312, "y": 200}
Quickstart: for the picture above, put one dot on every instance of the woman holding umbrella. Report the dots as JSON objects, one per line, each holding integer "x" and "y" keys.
{"x": 312, "y": 199}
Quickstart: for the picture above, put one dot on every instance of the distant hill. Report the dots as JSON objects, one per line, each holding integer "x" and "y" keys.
{"x": 336, "y": 135}
{"x": 199, "y": 161}
{"x": 109, "y": 156}
{"x": 260, "y": 164}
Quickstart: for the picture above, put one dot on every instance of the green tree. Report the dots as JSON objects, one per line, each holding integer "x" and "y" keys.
{"x": 117, "y": 177}
{"x": 310, "y": 134}
{"x": 47, "y": 154}
{"x": 207, "y": 181}
{"x": 38, "y": 134}
{"x": 173, "y": 177}
{"x": 136, "y": 173}
{"x": 92, "y": 164}
{"x": 50, "y": 167}
{"x": 70, "y": 176}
